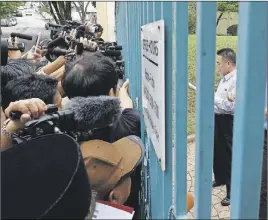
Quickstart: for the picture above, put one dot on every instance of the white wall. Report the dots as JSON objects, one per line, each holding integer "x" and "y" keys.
{"x": 106, "y": 18}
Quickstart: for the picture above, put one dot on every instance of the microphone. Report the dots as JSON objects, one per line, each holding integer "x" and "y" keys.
{"x": 22, "y": 36}
{"x": 94, "y": 112}
{"x": 81, "y": 28}
{"x": 111, "y": 53}
{"x": 79, "y": 114}
{"x": 119, "y": 47}
{"x": 58, "y": 52}
{"x": 56, "y": 42}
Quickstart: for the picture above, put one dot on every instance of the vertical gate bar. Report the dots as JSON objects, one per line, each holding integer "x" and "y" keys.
{"x": 249, "y": 112}
{"x": 130, "y": 43}
{"x": 167, "y": 174}
{"x": 126, "y": 13}
{"x": 205, "y": 75}
{"x": 158, "y": 9}
{"x": 181, "y": 102}
{"x": 150, "y": 11}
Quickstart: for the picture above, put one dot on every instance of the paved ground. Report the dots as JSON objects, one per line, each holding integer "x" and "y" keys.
{"x": 30, "y": 25}
{"x": 217, "y": 210}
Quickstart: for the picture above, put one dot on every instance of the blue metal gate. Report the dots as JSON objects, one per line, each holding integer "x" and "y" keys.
{"x": 158, "y": 197}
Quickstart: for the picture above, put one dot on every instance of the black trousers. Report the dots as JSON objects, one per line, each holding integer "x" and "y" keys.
{"x": 223, "y": 140}
{"x": 263, "y": 196}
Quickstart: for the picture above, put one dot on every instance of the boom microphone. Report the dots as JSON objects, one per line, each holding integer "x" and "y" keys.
{"x": 22, "y": 36}
{"x": 80, "y": 114}
{"x": 94, "y": 112}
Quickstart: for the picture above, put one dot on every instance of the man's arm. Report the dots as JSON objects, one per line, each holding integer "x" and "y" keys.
{"x": 30, "y": 108}
{"x": 224, "y": 105}
{"x": 126, "y": 101}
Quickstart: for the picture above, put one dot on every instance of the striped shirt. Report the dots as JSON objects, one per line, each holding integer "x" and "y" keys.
{"x": 227, "y": 85}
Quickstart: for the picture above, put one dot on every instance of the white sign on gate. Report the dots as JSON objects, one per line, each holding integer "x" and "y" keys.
{"x": 153, "y": 85}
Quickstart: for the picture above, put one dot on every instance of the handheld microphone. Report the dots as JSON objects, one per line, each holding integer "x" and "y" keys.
{"x": 22, "y": 36}
{"x": 111, "y": 53}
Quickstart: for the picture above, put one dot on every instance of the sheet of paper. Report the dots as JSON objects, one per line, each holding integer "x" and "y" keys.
{"x": 103, "y": 211}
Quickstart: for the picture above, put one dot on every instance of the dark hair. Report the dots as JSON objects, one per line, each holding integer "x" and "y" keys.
{"x": 27, "y": 87}
{"x": 90, "y": 75}
{"x": 99, "y": 28}
{"x": 227, "y": 54}
{"x": 14, "y": 69}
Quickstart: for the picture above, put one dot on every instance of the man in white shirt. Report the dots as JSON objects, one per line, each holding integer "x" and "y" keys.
{"x": 223, "y": 129}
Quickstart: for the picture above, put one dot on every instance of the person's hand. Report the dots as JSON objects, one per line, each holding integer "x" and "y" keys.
{"x": 14, "y": 54}
{"x": 125, "y": 87}
{"x": 231, "y": 96}
{"x": 123, "y": 95}
{"x": 30, "y": 109}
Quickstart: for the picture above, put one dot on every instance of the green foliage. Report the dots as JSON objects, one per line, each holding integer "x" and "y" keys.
{"x": 232, "y": 30}
{"x": 44, "y": 9}
{"x": 227, "y": 6}
{"x": 7, "y": 8}
{"x": 221, "y": 42}
{"x": 192, "y": 18}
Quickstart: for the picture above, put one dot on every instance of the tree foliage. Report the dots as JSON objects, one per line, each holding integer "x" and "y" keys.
{"x": 81, "y": 8}
{"x": 224, "y": 7}
{"x": 60, "y": 11}
{"x": 7, "y": 8}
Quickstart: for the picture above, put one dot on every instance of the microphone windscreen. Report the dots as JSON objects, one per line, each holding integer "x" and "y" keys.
{"x": 95, "y": 111}
{"x": 22, "y": 36}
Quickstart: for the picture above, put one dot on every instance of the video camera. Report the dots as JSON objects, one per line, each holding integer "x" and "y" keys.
{"x": 8, "y": 44}
{"x": 80, "y": 117}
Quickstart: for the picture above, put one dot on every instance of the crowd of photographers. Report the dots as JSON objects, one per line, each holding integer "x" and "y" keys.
{"x": 70, "y": 135}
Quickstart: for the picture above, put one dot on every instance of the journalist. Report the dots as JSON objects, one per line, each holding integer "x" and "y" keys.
{"x": 32, "y": 86}
{"x": 14, "y": 69}
{"x": 30, "y": 108}
{"x": 95, "y": 75}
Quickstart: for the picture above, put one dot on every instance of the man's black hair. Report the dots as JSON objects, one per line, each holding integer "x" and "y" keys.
{"x": 90, "y": 75}
{"x": 27, "y": 87}
{"x": 227, "y": 54}
{"x": 14, "y": 69}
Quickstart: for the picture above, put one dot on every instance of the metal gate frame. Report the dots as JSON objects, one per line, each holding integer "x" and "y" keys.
{"x": 164, "y": 193}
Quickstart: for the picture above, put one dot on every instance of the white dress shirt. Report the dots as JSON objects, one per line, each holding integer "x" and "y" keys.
{"x": 226, "y": 86}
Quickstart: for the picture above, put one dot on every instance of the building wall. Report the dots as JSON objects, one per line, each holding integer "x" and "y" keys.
{"x": 105, "y": 17}
{"x": 226, "y": 21}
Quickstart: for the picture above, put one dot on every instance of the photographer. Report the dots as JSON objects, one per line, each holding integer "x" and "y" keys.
{"x": 30, "y": 108}
{"x": 95, "y": 75}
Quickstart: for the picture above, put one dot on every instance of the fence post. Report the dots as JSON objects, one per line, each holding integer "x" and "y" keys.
{"x": 181, "y": 102}
{"x": 205, "y": 74}
{"x": 249, "y": 112}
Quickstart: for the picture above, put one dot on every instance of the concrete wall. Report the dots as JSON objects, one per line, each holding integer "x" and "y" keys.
{"x": 227, "y": 20}
{"x": 106, "y": 17}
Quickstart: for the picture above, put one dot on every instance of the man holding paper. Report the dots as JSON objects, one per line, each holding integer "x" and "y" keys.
{"x": 223, "y": 128}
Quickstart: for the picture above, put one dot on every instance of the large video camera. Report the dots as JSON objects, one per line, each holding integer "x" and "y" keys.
{"x": 8, "y": 44}
{"x": 79, "y": 118}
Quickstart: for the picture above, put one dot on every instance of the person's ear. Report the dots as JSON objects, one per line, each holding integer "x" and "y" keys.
{"x": 111, "y": 93}
{"x": 113, "y": 198}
